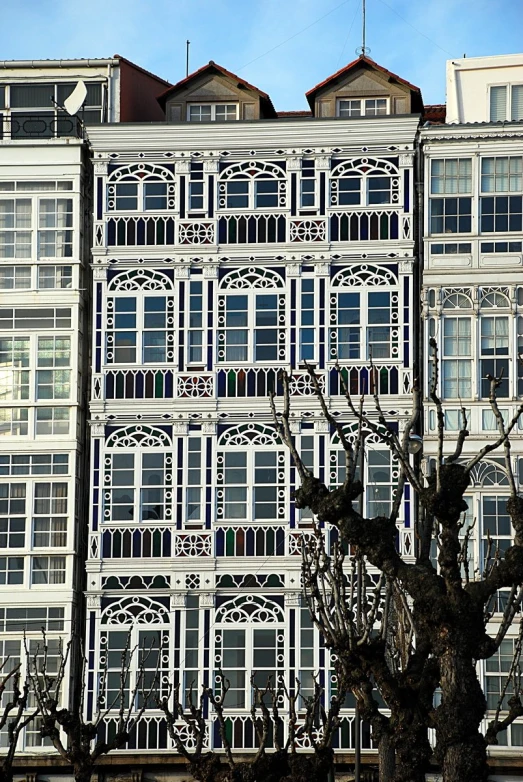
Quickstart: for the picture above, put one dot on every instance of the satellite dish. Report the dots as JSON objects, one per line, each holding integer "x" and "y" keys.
{"x": 76, "y": 99}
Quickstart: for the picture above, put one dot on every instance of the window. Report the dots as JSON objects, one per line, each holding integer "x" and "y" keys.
{"x": 14, "y": 422}
{"x": 146, "y": 496}
{"x": 54, "y": 218}
{"x": 496, "y": 526}
{"x": 501, "y": 174}
{"x": 251, "y": 645}
{"x": 494, "y": 354}
{"x": 500, "y": 213}
{"x": 212, "y": 112}
{"x": 26, "y": 186}
{"x": 192, "y": 649}
{"x": 500, "y": 247}
{"x": 451, "y": 248}
{"x": 194, "y": 481}
{"x": 48, "y": 570}
{"x": 34, "y": 464}
{"x": 14, "y": 376}
{"x": 196, "y": 187}
{"x": 364, "y": 325}
{"x": 457, "y": 358}
{"x": 195, "y": 341}
{"x": 307, "y": 456}
{"x": 307, "y": 184}
{"x": 15, "y": 228}
{"x": 55, "y": 235}
{"x": 41, "y": 318}
{"x": 141, "y": 187}
{"x": 15, "y": 278}
{"x": 52, "y": 421}
{"x": 52, "y": 380}
{"x": 307, "y": 321}
{"x": 497, "y": 669}
{"x": 506, "y": 102}
{"x": 252, "y": 185}
{"x": 50, "y": 515}
{"x": 364, "y": 182}
{"x": 253, "y": 327}
{"x": 55, "y": 277}
{"x": 12, "y": 515}
{"x": 308, "y": 666}
{"x": 249, "y": 485}
{"x": 451, "y": 177}
{"x": 378, "y": 490}
{"x": 369, "y": 107}
{"x": 140, "y": 329}
{"x": 28, "y": 619}
{"x": 11, "y": 570}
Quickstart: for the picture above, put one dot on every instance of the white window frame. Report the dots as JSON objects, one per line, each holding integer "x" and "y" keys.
{"x": 362, "y": 107}
{"x": 213, "y": 107}
{"x": 139, "y": 330}
{"x": 65, "y": 241}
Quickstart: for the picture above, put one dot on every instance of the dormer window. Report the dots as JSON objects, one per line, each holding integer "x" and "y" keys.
{"x": 365, "y": 107}
{"x": 212, "y": 112}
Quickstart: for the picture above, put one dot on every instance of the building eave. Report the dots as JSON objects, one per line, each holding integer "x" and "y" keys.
{"x": 324, "y": 134}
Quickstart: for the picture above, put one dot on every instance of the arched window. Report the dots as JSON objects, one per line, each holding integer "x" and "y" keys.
{"x": 251, "y": 317}
{"x": 134, "y": 632}
{"x": 249, "y": 639}
{"x": 365, "y": 182}
{"x": 140, "y": 187}
{"x": 250, "y": 475}
{"x": 380, "y": 474}
{"x": 138, "y": 475}
{"x": 140, "y": 318}
{"x": 252, "y": 185}
{"x": 364, "y": 314}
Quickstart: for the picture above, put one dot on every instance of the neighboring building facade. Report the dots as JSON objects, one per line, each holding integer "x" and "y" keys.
{"x": 45, "y": 243}
{"x": 224, "y": 253}
{"x": 472, "y": 297}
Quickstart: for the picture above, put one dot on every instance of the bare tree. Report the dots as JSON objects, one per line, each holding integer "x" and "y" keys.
{"x": 276, "y": 758}
{"x": 367, "y": 624}
{"x": 448, "y": 612}
{"x": 79, "y": 741}
{"x": 15, "y": 714}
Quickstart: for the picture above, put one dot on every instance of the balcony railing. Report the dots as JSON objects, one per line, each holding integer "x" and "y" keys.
{"x": 39, "y": 125}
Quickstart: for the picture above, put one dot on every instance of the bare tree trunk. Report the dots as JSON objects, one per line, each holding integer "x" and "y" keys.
{"x": 386, "y": 758}
{"x": 82, "y": 774}
{"x": 460, "y": 746}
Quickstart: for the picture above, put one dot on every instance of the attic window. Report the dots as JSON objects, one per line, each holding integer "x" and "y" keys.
{"x": 368, "y": 107}
{"x": 212, "y": 112}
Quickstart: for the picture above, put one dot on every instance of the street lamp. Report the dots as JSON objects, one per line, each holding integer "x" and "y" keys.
{"x": 415, "y": 443}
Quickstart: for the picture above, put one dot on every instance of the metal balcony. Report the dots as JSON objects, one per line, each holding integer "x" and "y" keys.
{"x": 39, "y": 125}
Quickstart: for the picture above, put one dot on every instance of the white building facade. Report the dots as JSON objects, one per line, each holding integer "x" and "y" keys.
{"x": 224, "y": 253}
{"x": 45, "y": 244}
{"x": 472, "y": 299}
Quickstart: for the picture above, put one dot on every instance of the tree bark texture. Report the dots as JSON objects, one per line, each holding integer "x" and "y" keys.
{"x": 386, "y": 758}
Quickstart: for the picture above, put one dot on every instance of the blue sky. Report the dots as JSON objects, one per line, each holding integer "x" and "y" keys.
{"x": 284, "y": 47}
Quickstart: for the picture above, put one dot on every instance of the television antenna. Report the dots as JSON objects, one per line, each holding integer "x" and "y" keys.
{"x": 363, "y": 50}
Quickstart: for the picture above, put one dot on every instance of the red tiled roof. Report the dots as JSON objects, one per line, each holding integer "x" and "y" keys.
{"x": 435, "y": 113}
{"x": 353, "y": 64}
{"x": 210, "y": 66}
